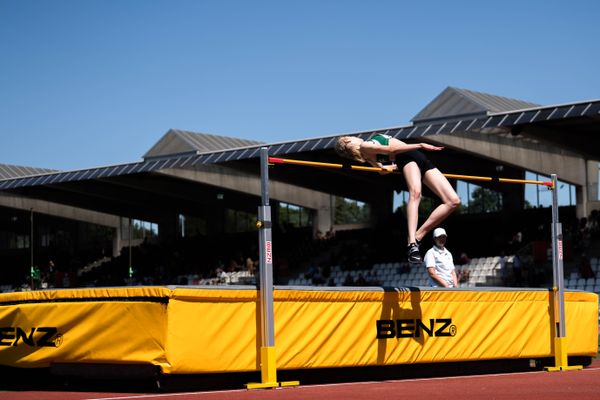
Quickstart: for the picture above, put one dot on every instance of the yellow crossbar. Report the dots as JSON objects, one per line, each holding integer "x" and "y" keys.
{"x": 277, "y": 160}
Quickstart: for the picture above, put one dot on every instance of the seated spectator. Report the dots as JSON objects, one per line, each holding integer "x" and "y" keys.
{"x": 504, "y": 272}
{"x": 371, "y": 279}
{"x": 326, "y": 271}
{"x": 330, "y": 234}
{"x": 310, "y": 272}
{"x": 516, "y": 242}
{"x": 251, "y": 265}
{"x": 463, "y": 275}
{"x": 594, "y": 223}
{"x": 405, "y": 268}
{"x": 233, "y": 265}
{"x": 464, "y": 259}
{"x": 348, "y": 281}
{"x": 361, "y": 281}
{"x": 318, "y": 278}
{"x": 516, "y": 270}
{"x": 585, "y": 268}
{"x": 584, "y": 234}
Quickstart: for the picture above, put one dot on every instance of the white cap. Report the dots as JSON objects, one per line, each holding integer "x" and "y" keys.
{"x": 439, "y": 232}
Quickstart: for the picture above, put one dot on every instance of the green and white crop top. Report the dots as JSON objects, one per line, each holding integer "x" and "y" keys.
{"x": 382, "y": 140}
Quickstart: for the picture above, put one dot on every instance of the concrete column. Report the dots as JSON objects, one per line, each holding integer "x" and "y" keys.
{"x": 324, "y": 219}
{"x": 116, "y": 246}
{"x": 513, "y": 198}
{"x": 167, "y": 228}
{"x": 592, "y": 186}
{"x": 582, "y": 201}
{"x": 382, "y": 208}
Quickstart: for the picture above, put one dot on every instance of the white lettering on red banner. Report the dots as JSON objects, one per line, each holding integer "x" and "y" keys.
{"x": 269, "y": 252}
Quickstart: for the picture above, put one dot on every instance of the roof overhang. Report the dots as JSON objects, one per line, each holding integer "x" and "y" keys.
{"x": 138, "y": 186}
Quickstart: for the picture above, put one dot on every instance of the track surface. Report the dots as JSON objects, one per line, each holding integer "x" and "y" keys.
{"x": 580, "y": 385}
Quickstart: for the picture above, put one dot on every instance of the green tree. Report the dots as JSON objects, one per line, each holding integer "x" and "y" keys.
{"x": 485, "y": 200}
{"x": 426, "y": 206}
{"x": 348, "y": 211}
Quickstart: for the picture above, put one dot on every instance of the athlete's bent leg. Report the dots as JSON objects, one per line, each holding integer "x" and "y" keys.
{"x": 439, "y": 185}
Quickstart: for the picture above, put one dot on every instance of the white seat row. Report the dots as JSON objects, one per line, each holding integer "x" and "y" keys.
{"x": 6, "y": 288}
{"x": 577, "y": 275}
{"x": 482, "y": 270}
{"x": 571, "y": 283}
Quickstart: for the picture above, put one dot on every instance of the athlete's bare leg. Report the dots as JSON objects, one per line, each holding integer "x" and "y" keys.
{"x": 412, "y": 176}
{"x": 439, "y": 185}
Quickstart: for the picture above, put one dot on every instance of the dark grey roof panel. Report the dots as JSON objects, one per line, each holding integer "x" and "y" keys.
{"x": 419, "y": 130}
{"x": 50, "y": 178}
{"x": 524, "y": 116}
{"x": 509, "y": 119}
{"x": 585, "y": 109}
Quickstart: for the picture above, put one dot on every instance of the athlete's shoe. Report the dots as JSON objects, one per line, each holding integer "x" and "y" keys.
{"x": 414, "y": 256}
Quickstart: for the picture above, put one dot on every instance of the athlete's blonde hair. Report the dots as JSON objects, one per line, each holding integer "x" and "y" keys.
{"x": 351, "y": 152}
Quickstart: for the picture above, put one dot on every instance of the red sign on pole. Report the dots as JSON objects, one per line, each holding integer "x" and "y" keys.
{"x": 269, "y": 252}
{"x": 560, "y": 250}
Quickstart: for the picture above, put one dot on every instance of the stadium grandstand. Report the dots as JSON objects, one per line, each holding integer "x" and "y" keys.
{"x": 186, "y": 213}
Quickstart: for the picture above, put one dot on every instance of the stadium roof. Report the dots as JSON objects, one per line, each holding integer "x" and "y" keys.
{"x": 8, "y": 171}
{"x": 581, "y": 120}
{"x": 462, "y": 102}
{"x": 575, "y": 126}
{"x": 176, "y": 141}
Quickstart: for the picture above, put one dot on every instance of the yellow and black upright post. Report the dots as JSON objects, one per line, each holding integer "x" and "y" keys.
{"x": 268, "y": 357}
{"x": 558, "y": 290}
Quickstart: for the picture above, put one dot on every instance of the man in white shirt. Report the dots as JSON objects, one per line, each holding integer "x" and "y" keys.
{"x": 439, "y": 263}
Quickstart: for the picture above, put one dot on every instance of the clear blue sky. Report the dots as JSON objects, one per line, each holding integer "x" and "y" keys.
{"x": 85, "y": 83}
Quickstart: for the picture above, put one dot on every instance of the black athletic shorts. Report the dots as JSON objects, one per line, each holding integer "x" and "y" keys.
{"x": 415, "y": 155}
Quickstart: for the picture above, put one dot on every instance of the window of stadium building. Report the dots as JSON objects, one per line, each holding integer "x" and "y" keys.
{"x": 539, "y": 196}
{"x": 475, "y": 199}
{"x": 349, "y": 211}
{"x": 293, "y": 215}
{"x": 17, "y": 241}
{"x": 139, "y": 229}
{"x": 239, "y": 221}
{"x": 192, "y": 226}
{"x": 426, "y": 205}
